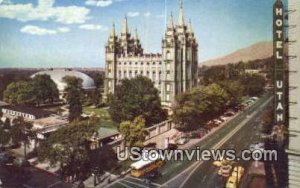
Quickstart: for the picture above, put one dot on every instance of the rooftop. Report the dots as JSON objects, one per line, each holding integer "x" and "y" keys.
{"x": 29, "y": 110}
{"x": 2, "y": 103}
{"x": 104, "y": 132}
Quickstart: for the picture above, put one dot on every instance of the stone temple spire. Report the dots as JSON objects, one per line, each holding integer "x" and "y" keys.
{"x": 136, "y": 34}
{"x": 181, "y": 16}
{"x": 125, "y": 26}
{"x": 171, "y": 24}
{"x": 113, "y": 31}
{"x": 190, "y": 29}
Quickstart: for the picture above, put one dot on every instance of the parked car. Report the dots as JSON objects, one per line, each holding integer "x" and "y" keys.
{"x": 172, "y": 146}
{"x": 238, "y": 172}
{"x": 229, "y": 113}
{"x": 231, "y": 182}
{"x": 6, "y": 159}
{"x": 225, "y": 169}
{"x": 217, "y": 121}
{"x": 182, "y": 140}
{"x": 224, "y": 118}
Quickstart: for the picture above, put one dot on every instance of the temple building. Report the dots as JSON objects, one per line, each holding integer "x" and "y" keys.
{"x": 172, "y": 72}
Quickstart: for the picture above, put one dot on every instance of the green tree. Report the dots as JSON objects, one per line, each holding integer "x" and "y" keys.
{"x": 4, "y": 136}
{"x": 254, "y": 84}
{"x": 235, "y": 91}
{"x": 73, "y": 95}
{"x": 20, "y": 93}
{"x": 67, "y": 147}
{"x": 134, "y": 132}
{"x": 21, "y": 132}
{"x": 102, "y": 159}
{"x": 135, "y": 97}
{"x": 45, "y": 89}
{"x": 6, "y": 124}
{"x": 193, "y": 108}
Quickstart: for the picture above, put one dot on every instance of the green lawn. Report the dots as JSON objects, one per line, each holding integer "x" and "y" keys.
{"x": 103, "y": 114}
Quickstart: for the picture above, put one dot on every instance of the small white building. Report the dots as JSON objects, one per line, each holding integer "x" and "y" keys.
{"x": 28, "y": 113}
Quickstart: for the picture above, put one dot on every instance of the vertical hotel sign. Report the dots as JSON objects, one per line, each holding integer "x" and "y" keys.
{"x": 278, "y": 52}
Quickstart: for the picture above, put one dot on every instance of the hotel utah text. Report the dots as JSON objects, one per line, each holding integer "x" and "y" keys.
{"x": 278, "y": 43}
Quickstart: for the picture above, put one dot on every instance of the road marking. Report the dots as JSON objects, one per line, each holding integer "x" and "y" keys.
{"x": 54, "y": 184}
{"x": 196, "y": 164}
{"x": 234, "y": 131}
{"x": 124, "y": 184}
{"x": 135, "y": 183}
{"x": 158, "y": 185}
{"x": 204, "y": 178}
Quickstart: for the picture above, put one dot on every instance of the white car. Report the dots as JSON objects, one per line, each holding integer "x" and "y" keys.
{"x": 182, "y": 140}
{"x": 258, "y": 146}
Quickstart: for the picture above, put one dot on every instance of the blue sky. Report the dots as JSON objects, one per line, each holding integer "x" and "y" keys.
{"x": 68, "y": 33}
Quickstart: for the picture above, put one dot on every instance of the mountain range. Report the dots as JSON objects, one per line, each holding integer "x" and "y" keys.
{"x": 261, "y": 50}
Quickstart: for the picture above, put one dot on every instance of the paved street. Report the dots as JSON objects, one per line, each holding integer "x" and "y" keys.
{"x": 238, "y": 134}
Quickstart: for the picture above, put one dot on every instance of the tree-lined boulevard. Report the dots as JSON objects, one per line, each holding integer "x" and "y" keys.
{"x": 237, "y": 134}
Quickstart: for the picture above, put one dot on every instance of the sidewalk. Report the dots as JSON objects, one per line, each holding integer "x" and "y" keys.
{"x": 256, "y": 176}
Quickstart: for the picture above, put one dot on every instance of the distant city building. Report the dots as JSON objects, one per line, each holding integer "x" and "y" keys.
{"x": 172, "y": 72}
{"x": 27, "y": 113}
{"x": 57, "y": 76}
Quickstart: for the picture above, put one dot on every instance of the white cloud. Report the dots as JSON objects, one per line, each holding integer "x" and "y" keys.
{"x": 92, "y": 27}
{"x": 44, "y": 11}
{"x": 35, "y": 30}
{"x": 147, "y": 14}
{"x": 1, "y": 1}
{"x": 133, "y": 14}
{"x": 99, "y": 3}
{"x": 63, "y": 29}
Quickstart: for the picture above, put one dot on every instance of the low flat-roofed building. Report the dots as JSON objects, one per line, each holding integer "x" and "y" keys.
{"x": 3, "y": 104}
{"x": 47, "y": 125}
{"x": 103, "y": 136}
{"x": 28, "y": 113}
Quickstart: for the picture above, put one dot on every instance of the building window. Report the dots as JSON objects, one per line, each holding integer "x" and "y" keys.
{"x": 153, "y": 63}
{"x": 169, "y": 55}
{"x": 168, "y": 87}
{"x": 168, "y": 97}
{"x": 153, "y": 75}
{"x": 148, "y": 63}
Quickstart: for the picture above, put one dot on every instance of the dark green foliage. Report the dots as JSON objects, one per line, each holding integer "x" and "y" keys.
{"x": 45, "y": 89}
{"x": 195, "y": 107}
{"x": 4, "y": 136}
{"x": 136, "y": 97}
{"x": 66, "y": 147}
{"x": 6, "y": 124}
{"x": 254, "y": 84}
{"x": 21, "y": 132}
{"x": 134, "y": 132}
{"x": 20, "y": 93}
{"x": 73, "y": 95}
